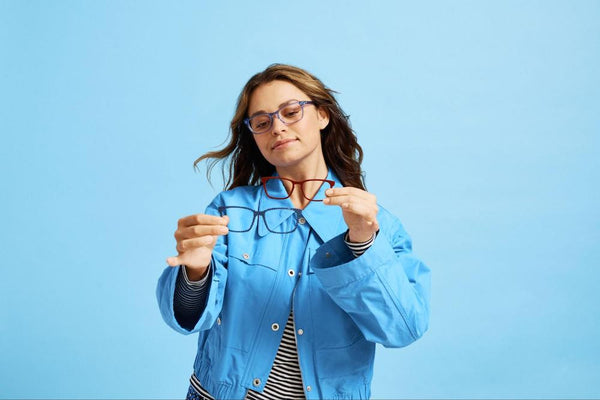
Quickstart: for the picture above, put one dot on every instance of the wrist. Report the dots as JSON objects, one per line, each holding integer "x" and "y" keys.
{"x": 363, "y": 237}
{"x": 195, "y": 274}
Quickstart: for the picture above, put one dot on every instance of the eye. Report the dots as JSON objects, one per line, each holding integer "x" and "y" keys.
{"x": 260, "y": 122}
{"x": 291, "y": 111}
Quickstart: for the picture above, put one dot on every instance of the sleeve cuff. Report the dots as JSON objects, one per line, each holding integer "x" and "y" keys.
{"x": 196, "y": 284}
{"x": 359, "y": 248}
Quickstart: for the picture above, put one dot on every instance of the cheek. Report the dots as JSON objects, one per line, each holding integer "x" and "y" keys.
{"x": 310, "y": 127}
{"x": 261, "y": 143}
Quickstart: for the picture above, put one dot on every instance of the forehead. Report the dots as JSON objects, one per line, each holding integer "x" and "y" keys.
{"x": 268, "y": 97}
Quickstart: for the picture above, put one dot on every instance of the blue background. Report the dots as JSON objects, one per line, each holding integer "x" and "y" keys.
{"x": 480, "y": 123}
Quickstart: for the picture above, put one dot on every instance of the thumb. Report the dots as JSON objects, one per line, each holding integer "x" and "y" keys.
{"x": 173, "y": 261}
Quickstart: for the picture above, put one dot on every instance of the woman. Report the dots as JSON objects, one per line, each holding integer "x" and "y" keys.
{"x": 294, "y": 273}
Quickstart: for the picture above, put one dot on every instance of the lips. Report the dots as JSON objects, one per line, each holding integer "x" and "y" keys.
{"x": 281, "y": 143}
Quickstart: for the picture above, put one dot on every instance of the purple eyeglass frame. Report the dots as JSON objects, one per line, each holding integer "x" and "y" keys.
{"x": 271, "y": 115}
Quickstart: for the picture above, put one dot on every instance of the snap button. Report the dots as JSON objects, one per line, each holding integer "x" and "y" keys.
{"x": 300, "y": 332}
{"x": 256, "y": 382}
{"x": 291, "y": 272}
{"x": 246, "y": 256}
{"x": 275, "y": 326}
{"x": 301, "y": 221}
{"x": 308, "y": 388}
{"x": 327, "y": 255}
{"x": 218, "y": 320}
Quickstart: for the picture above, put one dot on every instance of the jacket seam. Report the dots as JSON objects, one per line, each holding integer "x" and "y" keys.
{"x": 396, "y": 303}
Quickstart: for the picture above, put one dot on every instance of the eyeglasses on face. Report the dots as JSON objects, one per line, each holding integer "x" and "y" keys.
{"x": 277, "y": 220}
{"x": 311, "y": 188}
{"x": 288, "y": 114}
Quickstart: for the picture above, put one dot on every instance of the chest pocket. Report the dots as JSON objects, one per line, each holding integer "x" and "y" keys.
{"x": 257, "y": 257}
{"x": 251, "y": 251}
{"x": 251, "y": 280}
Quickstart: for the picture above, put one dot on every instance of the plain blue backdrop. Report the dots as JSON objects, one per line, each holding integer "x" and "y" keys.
{"x": 480, "y": 122}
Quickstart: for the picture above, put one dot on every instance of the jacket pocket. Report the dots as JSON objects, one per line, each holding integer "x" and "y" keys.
{"x": 353, "y": 362}
{"x": 254, "y": 257}
{"x": 251, "y": 280}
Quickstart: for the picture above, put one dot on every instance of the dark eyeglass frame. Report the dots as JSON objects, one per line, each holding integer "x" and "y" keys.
{"x": 271, "y": 115}
{"x": 297, "y": 212}
{"x": 264, "y": 181}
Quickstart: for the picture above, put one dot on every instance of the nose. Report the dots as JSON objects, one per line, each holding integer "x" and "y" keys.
{"x": 277, "y": 126}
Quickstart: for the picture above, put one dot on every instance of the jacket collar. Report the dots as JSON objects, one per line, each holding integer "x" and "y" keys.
{"x": 326, "y": 221}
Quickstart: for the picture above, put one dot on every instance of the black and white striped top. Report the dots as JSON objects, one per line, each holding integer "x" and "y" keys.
{"x": 285, "y": 378}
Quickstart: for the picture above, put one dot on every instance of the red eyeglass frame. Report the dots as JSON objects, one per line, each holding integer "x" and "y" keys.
{"x": 264, "y": 181}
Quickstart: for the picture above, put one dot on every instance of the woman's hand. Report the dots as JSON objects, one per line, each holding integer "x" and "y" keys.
{"x": 196, "y": 236}
{"x": 359, "y": 209}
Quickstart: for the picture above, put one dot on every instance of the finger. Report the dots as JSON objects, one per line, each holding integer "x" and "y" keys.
{"x": 173, "y": 261}
{"x": 367, "y": 213}
{"x": 348, "y": 190}
{"x": 341, "y": 199}
{"x": 190, "y": 244}
{"x": 202, "y": 219}
{"x": 200, "y": 230}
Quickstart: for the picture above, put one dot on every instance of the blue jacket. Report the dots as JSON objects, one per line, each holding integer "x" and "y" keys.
{"x": 342, "y": 304}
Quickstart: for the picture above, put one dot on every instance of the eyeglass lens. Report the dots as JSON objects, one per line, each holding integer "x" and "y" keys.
{"x": 277, "y": 220}
{"x": 311, "y": 188}
{"x": 288, "y": 114}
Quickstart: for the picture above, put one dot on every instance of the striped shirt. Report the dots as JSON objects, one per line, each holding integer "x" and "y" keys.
{"x": 285, "y": 378}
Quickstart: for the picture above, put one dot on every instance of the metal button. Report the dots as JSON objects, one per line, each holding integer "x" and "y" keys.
{"x": 256, "y": 382}
{"x": 275, "y": 326}
{"x": 246, "y": 256}
{"x": 301, "y": 221}
{"x": 300, "y": 332}
{"x": 218, "y": 320}
{"x": 327, "y": 255}
{"x": 308, "y": 388}
{"x": 291, "y": 272}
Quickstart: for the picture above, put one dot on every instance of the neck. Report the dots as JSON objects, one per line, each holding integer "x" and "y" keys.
{"x": 297, "y": 173}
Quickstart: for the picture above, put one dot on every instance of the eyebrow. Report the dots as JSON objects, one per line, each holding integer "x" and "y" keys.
{"x": 278, "y": 107}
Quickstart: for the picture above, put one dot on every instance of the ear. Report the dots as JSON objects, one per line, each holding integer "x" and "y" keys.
{"x": 323, "y": 117}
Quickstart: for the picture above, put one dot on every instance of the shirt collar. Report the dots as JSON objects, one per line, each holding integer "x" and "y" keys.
{"x": 326, "y": 221}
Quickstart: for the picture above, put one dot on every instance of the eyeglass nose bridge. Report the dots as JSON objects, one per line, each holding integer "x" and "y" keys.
{"x": 272, "y": 119}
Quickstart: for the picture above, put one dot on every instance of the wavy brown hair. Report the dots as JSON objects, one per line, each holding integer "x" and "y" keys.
{"x": 247, "y": 165}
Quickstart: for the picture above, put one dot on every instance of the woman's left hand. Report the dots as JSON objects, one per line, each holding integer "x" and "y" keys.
{"x": 359, "y": 209}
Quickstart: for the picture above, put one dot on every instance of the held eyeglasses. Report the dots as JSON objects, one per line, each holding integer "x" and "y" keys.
{"x": 311, "y": 188}
{"x": 279, "y": 220}
{"x": 288, "y": 114}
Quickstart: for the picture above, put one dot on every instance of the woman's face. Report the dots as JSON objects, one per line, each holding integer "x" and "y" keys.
{"x": 297, "y": 145}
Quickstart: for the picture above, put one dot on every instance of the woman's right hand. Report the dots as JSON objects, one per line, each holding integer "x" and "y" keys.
{"x": 196, "y": 236}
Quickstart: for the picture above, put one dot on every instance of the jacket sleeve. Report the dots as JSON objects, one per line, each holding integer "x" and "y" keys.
{"x": 385, "y": 291}
{"x": 165, "y": 290}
